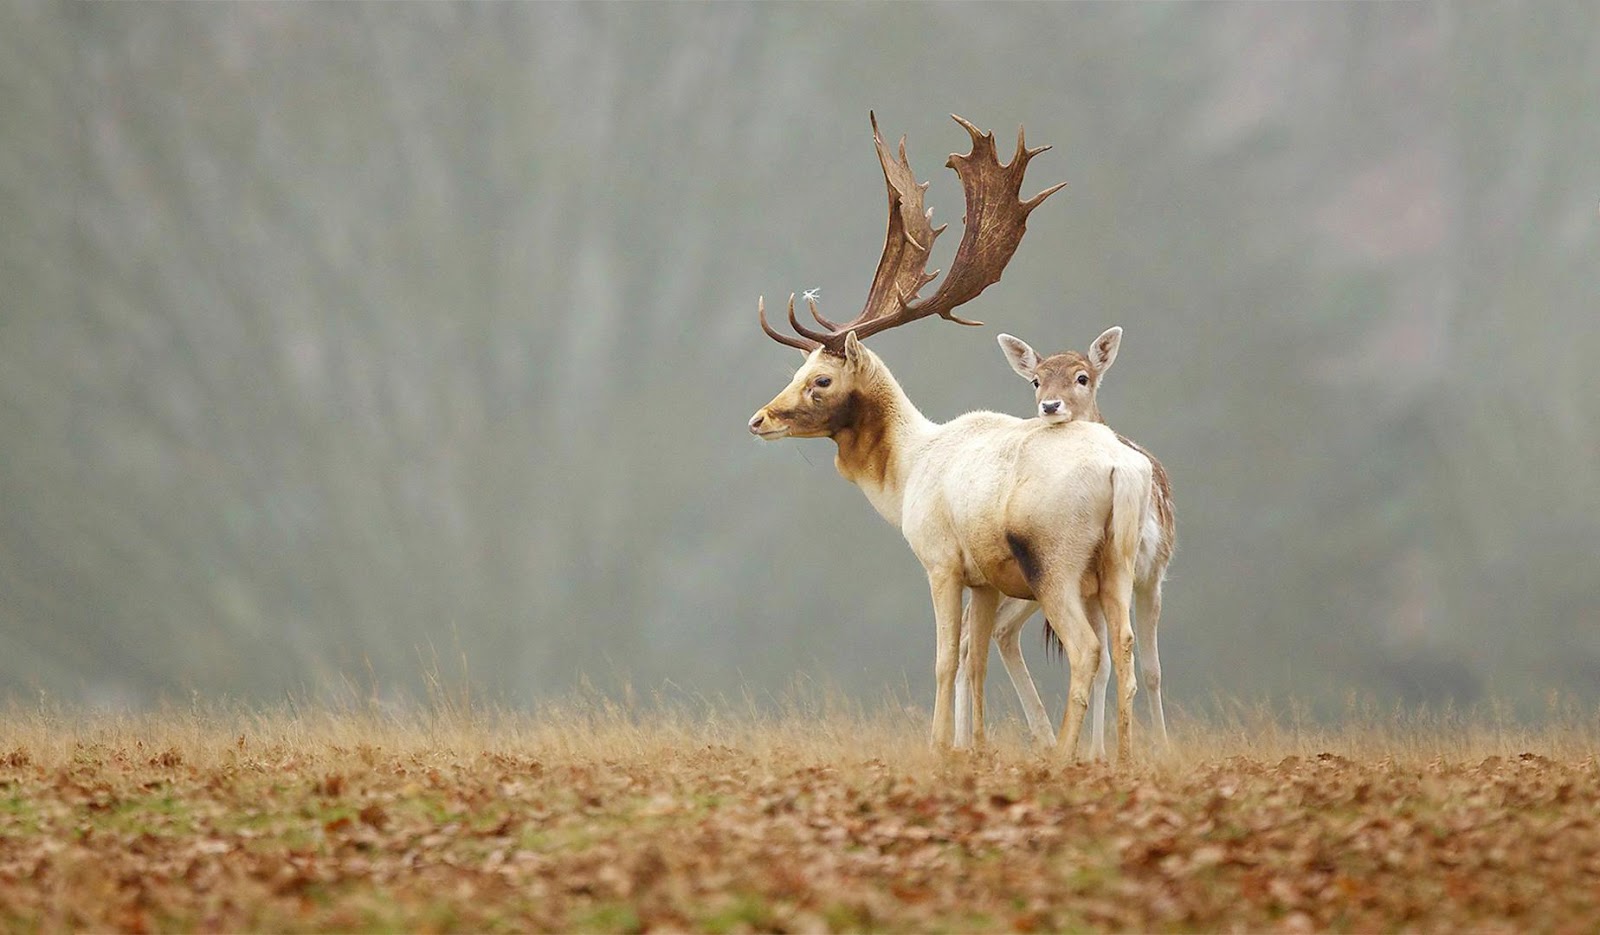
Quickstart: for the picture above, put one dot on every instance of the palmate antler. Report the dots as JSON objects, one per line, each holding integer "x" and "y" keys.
{"x": 994, "y": 224}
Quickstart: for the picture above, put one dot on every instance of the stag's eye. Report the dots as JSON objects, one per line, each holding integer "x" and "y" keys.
{"x": 823, "y": 382}
{"x": 1035, "y": 384}
{"x": 1083, "y": 379}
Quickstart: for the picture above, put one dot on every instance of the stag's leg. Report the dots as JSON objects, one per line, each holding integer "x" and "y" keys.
{"x": 1009, "y": 621}
{"x": 1102, "y": 676}
{"x": 946, "y": 589}
{"x": 1116, "y": 593}
{"x": 1065, "y": 611}
{"x": 980, "y": 614}
{"x": 1148, "y": 606}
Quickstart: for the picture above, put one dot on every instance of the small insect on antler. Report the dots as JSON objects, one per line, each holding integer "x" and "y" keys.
{"x": 995, "y": 221}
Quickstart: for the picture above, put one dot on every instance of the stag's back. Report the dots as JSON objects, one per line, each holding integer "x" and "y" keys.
{"x": 1063, "y": 493}
{"x": 988, "y": 481}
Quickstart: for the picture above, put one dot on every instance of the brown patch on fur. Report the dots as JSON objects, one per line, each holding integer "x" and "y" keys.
{"x": 860, "y": 428}
{"x": 1163, "y": 502}
{"x": 844, "y": 416}
{"x": 1026, "y": 560}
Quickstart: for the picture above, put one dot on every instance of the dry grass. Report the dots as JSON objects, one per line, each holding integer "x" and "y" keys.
{"x": 821, "y": 817}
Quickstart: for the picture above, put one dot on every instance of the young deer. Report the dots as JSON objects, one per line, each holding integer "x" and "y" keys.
{"x": 1066, "y": 388}
{"x": 988, "y": 502}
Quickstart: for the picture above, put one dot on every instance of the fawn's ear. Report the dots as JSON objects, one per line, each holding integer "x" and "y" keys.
{"x": 1103, "y": 352}
{"x": 1023, "y": 359}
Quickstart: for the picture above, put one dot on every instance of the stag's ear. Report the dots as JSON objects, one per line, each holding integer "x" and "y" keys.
{"x": 855, "y": 356}
{"x": 1103, "y": 352}
{"x": 1023, "y": 359}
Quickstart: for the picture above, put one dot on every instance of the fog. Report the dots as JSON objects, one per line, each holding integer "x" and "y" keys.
{"x": 346, "y": 347}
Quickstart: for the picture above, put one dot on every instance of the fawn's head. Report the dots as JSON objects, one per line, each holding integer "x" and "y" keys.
{"x": 1065, "y": 384}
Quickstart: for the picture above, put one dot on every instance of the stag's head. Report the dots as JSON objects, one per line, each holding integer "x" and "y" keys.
{"x": 1064, "y": 385}
{"x": 819, "y": 401}
{"x": 823, "y": 397}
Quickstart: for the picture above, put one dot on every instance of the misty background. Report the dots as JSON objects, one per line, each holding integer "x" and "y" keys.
{"x": 340, "y": 343}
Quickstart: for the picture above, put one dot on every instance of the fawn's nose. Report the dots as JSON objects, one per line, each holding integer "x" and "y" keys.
{"x": 1049, "y": 407}
{"x": 756, "y": 420}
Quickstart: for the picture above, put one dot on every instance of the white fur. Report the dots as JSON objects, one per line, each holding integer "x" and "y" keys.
{"x": 1011, "y": 615}
{"x": 957, "y": 489}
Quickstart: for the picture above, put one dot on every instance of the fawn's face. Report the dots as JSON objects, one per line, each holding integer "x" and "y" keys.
{"x": 1065, "y": 384}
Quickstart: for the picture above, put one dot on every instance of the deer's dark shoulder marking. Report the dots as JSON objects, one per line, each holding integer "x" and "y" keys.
{"x": 1026, "y": 560}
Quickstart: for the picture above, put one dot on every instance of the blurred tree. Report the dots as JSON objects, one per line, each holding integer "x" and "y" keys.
{"x": 345, "y": 342}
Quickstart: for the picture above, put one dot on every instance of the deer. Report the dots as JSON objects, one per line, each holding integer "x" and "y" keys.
{"x": 1066, "y": 388}
{"x": 989, "y": 503}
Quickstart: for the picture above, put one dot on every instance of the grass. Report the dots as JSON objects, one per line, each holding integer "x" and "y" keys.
{"x": 821, "y": 816}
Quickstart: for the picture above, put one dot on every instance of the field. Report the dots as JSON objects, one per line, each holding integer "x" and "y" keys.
{"x": 595, "y": 818}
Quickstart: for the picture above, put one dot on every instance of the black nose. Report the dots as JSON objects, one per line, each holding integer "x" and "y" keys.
{"x": 1049, "y": 408}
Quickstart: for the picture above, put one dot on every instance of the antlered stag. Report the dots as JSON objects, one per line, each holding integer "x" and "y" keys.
{"x": 988, "y": 502}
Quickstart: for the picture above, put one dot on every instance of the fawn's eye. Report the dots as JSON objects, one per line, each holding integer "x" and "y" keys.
{"x": 824, "y": 381}
{"x": 1083, "y": 379}
{"x": 1035, "y": 384}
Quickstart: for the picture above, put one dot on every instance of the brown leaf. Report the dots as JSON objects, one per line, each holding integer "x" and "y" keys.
{"x": 374, "y": 815}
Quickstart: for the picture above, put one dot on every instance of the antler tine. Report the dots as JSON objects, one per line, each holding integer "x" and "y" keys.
{"x": 978, "y": 136}
{"x": 1023, "y": 152}
{"x": 1023, "y": 156}
{"x": 804, "y": 332}
{"x": 780, "y": 337}
{"x": 1037, "y": 200}
{"x": 812, "y": 304}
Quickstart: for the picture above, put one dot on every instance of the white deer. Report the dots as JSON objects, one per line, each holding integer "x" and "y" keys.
{"x": 1066, "y": 389}
{"x": 987, "y": 502}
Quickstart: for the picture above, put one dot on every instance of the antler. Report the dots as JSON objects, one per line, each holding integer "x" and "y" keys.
{"x": 994, "y": 224}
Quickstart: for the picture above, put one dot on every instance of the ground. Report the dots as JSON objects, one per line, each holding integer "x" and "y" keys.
{"x": 594, "y": 818}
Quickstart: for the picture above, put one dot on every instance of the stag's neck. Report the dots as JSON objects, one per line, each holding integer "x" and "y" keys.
{"x": 877, "y": 439}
